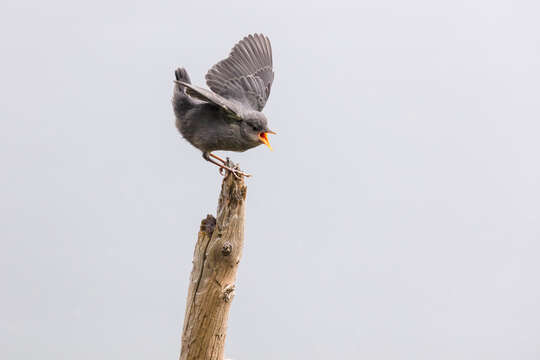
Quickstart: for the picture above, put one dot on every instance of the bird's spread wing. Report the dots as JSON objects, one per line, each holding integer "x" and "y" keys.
{"x": 246, "y": 75}
{"x": 229, "y": 106}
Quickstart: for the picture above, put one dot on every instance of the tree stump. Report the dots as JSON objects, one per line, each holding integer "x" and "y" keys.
{"x": 212, "y": 283}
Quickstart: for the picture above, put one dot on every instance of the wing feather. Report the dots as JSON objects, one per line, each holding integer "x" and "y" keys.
{"x": 246, "y": 75}
{"x": 230, "y": 106}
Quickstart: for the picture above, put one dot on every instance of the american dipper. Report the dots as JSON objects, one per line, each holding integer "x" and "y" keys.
{"x": 228, "y": 116}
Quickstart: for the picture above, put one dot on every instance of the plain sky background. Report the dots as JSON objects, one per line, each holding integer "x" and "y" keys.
{"x": 397, "y": 218}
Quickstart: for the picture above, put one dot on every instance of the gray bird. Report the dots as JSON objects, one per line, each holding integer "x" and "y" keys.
{"x": 228, "y": 116}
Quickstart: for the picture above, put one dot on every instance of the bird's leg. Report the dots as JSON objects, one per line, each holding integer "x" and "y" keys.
{"x": 218, "y": 158}
{"x": 233, "y": 169}
{"x": 226, "y": 163}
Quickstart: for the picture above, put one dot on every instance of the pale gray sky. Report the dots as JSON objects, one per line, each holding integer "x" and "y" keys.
{"x": 397, "y": 218}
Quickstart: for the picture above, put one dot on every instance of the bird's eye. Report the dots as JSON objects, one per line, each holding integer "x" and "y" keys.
{"x": 254, "y": 127}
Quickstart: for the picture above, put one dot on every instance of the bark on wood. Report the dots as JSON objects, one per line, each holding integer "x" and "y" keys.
{"x": 215, "y": 263}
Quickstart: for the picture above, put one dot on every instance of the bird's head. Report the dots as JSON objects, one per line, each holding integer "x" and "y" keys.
{"x": 256, "y": 128}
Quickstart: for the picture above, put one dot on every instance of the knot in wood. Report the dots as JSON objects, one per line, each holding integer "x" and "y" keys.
{"x": 228, "y": 293}
{"x": 226, "y": 249}
{"x": 208, "y": 225}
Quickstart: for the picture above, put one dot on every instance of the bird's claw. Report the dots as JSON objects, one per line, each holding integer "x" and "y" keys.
{"x": 232, "y": 168}
{"x": 238, "y": 173}
{"x": 235, "y": 171}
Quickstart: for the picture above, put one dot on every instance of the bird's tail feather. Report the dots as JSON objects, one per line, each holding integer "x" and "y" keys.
{"x": 182, "y": 75}
{"x": 181, "y": 101}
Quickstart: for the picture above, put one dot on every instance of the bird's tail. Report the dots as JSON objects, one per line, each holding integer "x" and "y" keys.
{"x": 181, "y": 101}
{"x": 182, "y": 75}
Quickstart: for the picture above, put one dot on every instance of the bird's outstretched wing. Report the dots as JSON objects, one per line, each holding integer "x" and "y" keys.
{"x": 231, "y": 107}
{"x": 246, "y": 75}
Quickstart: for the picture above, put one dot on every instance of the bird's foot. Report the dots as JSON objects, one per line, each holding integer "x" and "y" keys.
{"x": 232, "y": 168}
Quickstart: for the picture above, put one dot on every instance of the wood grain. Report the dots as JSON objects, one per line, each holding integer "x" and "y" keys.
{"x": 212, "y": 284}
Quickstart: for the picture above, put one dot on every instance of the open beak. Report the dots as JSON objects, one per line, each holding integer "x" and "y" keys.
{"x": 263, "y": 136}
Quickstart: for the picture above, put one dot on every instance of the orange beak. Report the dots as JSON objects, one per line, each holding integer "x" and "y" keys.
{"x": 264, "y": 138}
